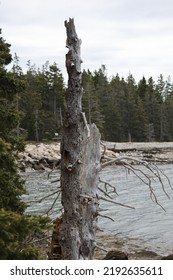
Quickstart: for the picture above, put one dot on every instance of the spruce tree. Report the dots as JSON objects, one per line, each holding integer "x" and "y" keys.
{"x": 16, "y": 228}
{"x": 90, "y": 101}
{"x": 11, "y": 185}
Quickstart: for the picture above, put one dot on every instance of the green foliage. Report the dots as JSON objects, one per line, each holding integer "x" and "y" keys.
{"x": 90, "y": 101}
{"x": 128, "y": 111}
{"x": 42, "y": 101}
{"x": 17, "y": 233}
{"x": 16, "y": 228}
{"x": 5, "y": 56}
{"x": 9, "y": 118}
{"x": 11, "y": 185}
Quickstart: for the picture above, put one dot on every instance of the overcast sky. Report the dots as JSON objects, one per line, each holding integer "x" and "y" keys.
{"x": 127, "y": 36}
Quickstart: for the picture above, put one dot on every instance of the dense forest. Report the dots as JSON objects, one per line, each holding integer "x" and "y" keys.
{"x": 122, "y": 109}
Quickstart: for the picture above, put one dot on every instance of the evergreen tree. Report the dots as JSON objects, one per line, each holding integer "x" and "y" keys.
{"x": 142, "y": 88}
{"x": 164, "y": 91}
{"x": 151, "y": 109}
{"x": 31, "y": 103}
{"x": 42, "y": 101}
{"x": 15, "y": 227}
{"x": 168, "y": 109}
{"x": 102, "y": 92}
{"x": 90, "y": 102}
{"x": 114, "y": 129}
{"x": 11, "y": 184}
{"x": 52, "y": 94}
{"x": 135, "y": 118}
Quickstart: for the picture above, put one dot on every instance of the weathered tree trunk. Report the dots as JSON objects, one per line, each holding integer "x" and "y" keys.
{"x": 80, "y": 163}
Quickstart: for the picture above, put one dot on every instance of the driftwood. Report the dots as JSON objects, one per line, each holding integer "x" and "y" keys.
{"x": 153, "y": 152}
{"x": 148, "y": 148}
{"x": 122, "y": 150}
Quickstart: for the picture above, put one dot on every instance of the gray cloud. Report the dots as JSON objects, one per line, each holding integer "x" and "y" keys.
{"x": 127, "y": 36}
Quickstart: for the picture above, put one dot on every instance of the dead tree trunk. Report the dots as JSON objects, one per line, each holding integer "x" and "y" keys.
{"x": 80, "y": 163}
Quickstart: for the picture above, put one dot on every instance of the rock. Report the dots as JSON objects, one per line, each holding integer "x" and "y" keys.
{"x": 40, "y": 156}
{"x": 38, "y": 166}
{"x": 22, "y": 166}
{"x": 44, "y": 162}
{"x": 169, "y": 257}
{"x": 116, "y": 255}
{"x": 145, "y": 255}
{"x": 54, "y": 163}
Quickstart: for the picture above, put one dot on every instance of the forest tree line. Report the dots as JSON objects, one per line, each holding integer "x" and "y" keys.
{"x": 122, "y": 109}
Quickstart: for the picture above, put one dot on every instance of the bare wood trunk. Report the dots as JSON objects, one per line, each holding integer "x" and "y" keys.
{"x": 80, "y": 162}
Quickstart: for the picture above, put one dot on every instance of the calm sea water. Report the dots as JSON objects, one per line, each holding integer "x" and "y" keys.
{"x": 148, "y": 224}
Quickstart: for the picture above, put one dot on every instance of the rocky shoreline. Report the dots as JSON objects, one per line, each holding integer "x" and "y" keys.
{"x": 43, "y": 156}
{"x": 131, "y": 248}
{"x": 40, "y": 156}
{"x": 157, "y": 152}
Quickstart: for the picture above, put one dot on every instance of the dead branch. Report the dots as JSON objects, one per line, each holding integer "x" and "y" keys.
{"x": 165, "y": 177}
{"x": 157, "y": 174}
{"x": 148, "y": 183}
{"x": 146, "y": 178}
{"x": 56, "y": 211}
{"x": 43, "y": 198}
{"x": 105, "y": 193}
{"x": 114, "y": 202}
{"x": 102, "y": 210}
{"x": 108, "y": 184}
{"x": 104, "y": 216}
{"x": 57, "y": 180}
{"x": 48, "y": 211}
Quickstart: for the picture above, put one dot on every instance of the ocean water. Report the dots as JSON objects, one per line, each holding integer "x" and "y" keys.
{"x": 148, "y": 226}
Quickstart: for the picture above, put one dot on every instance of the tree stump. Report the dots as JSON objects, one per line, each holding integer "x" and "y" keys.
{"x": 80, "y": 163}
